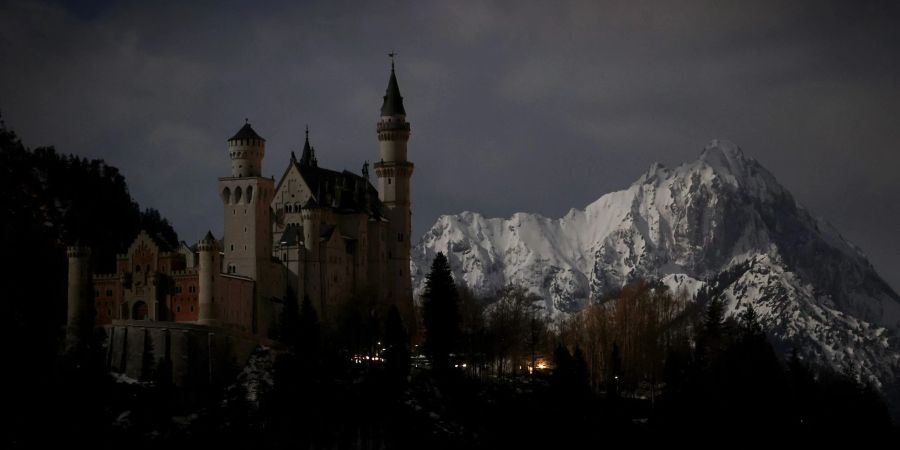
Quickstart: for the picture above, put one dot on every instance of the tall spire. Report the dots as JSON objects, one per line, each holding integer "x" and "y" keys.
{"x": 307, "y": 158}
{"x": 393, "y": 101}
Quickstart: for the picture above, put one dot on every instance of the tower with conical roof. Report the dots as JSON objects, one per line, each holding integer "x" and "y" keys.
{"x": 394, "y": 172}
{"x": 246, "y": 196}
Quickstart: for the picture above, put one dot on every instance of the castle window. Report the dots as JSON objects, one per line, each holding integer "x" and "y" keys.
{"x": 399, "y": 237}
{"x": 389, "y": 181}
{"x": 232, "y": 247}
{"x": 192, "y": 308}
{"x": 178, "y": 309}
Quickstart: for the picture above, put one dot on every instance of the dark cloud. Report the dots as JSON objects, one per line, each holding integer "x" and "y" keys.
{"x": 515, "y": 106}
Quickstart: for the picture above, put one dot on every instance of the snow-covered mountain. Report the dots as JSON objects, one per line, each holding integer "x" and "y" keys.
{"x": 722, "y": 219}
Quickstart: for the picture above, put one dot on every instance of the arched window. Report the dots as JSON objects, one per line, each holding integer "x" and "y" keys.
{"x": 226, "y": 195}
{"x": 140, "y": 311}
{"x": 237, "y": 194}
{"x": 249, "y": 194}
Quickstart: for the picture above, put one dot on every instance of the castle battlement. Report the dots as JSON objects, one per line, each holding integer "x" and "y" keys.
{"x": 106, "y": 276}
{"x": 184, "y": 273}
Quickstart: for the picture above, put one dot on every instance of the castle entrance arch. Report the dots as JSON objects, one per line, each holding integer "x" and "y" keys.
{"x": 140, "y": 311}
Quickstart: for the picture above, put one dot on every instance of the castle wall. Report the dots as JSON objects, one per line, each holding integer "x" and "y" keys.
{"x": 108, "y": 297}
{"x": 192, "y": 355}
{"x": 234, "y": 306}
{"x": 185, "y": 304}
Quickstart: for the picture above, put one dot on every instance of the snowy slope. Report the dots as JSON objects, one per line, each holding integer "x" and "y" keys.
{"x": 684, "y": 226}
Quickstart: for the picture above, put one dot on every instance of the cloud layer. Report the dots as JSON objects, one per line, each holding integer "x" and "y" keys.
{"x": 515, "y": 106}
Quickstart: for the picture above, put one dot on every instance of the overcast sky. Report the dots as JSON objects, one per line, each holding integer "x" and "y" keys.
{"x": 514, "y": 106}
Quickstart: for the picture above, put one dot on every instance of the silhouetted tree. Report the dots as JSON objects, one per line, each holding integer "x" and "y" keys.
{"x": 440, "y": 313}
{"x": 563, "y": 368}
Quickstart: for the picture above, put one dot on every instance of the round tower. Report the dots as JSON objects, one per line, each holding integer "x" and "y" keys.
{"x": 394, "y": 172}
{"x": 80, "y": 314}
{"x": 246, "y": 149}
{"x": 207, "y": 248}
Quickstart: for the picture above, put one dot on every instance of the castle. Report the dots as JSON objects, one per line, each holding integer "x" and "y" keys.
{"x": 317, "y": 233}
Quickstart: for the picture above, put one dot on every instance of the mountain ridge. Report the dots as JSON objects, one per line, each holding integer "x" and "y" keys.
{"x": 685, "y": 226}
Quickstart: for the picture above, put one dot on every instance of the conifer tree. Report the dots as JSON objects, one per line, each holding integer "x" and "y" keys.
{"x": 562, "y": 368}
{"x": 440, "y": 312}
{"x": 580, "y": 381}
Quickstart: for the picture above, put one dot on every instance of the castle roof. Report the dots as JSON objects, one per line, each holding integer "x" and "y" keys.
{"x": 343, "y": 191}
{"x": 393, "y": 101}
{"x": 246, "y": 132}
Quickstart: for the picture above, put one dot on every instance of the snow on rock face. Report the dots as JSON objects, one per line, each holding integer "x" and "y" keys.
{"x": 684, "y": 226}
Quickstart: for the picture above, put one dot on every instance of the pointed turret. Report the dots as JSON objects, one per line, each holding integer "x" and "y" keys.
{"x": 308, "y": 157}
{"x": 393, "y": 101}
{"x": 246, "y": 133}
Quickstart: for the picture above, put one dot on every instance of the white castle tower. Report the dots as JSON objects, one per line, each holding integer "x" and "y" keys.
{"x": 394, "y": 172}
{"x": 246, "y": 196}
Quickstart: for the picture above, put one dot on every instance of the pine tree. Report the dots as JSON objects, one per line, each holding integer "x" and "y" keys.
{"x": 710, "y": 339}
{"x": 749, "y": 324}
{"x": 562, "y": 369}
{"x": 440, "y": 312}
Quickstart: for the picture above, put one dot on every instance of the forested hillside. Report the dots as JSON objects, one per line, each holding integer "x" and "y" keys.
{"x": 49, "y": 200}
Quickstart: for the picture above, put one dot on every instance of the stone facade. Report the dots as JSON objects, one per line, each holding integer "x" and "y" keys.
{"x": 318, "y": 233}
